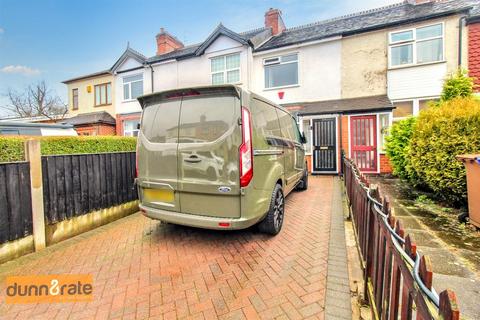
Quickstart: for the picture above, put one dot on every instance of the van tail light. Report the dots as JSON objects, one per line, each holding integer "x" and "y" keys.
{"x": 246, "y": 150}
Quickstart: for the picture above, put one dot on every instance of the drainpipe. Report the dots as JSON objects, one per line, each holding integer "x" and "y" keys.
{"x": 151, "y": 75}
{"x": 460, "y": 39}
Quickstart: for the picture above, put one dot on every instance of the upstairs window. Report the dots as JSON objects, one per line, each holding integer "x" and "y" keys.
{"x": 416, "y": 46}
{"x": 103, "y": 94}
{"x": 281, "y": 71}
{"x": 75, "y": 99}
{"x": 225, "y": 69}
{"x": 132, "y": 87}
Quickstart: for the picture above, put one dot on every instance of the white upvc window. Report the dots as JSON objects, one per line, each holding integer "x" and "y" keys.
{"x": 132, "y": 86}
{"x": 416, "y": 46}
{"x": 411, "y": 107}
{"x": 225, "y": 69}
{"x": 281, "y": 71}
{"x": 130, "y": 128}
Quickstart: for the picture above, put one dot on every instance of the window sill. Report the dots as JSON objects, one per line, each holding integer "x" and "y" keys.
{"x": 102, "y": 105}
{"x": 415, "y": 65}
{"x": 282, "y": 87}
{"x": 129, "y": 100}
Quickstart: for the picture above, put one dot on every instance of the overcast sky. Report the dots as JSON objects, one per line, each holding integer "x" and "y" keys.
{"x": 54, "y": 40}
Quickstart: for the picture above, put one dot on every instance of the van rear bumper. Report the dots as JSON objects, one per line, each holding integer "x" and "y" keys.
{"x": 197, "y": 221}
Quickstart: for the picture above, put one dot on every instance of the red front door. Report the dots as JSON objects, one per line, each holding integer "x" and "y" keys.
{"x": 363, "y": 137}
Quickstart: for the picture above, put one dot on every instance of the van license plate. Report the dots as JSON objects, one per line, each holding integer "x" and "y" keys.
{"x": 158, "y": 195}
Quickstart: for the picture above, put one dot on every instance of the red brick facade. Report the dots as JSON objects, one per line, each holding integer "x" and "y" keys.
{"x": 474, "y": 52}
{"x": 101, "y": 129}
{"x": 122, "y": 118}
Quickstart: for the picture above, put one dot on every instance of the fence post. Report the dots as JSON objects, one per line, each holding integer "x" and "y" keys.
{"x": 33, "y": 156}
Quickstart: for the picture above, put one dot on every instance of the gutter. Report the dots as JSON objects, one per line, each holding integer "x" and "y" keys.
{"x": 460, "y": 39}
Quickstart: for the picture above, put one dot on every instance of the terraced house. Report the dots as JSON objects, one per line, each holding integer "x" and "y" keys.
{"x": 347, "y": 79}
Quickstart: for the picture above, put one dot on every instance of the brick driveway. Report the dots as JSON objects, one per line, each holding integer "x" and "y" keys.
{"x": 144, "y": 269}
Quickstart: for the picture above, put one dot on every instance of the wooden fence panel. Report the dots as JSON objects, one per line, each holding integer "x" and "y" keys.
{"x": 78, "y": 184}
{"x": 15, "y": 201}
{"x": 398, "y": 281}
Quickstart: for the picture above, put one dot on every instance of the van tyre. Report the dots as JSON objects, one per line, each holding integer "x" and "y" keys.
{"x": 303, "y": 184}
{"x": 272, "y": 224}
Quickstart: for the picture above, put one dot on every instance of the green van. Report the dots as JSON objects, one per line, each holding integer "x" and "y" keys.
{"x": 217, "y": 157}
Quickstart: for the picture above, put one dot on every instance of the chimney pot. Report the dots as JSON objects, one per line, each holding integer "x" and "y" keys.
{"x": 273, "y": 19}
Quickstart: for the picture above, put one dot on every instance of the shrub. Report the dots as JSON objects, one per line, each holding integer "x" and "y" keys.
{"x": 398, "y": 143}
{"x": 12, "y": 149}
{"x": 440, "y": 134}
{"x": 457, "y": 85}
{"x": 74, "y": 145}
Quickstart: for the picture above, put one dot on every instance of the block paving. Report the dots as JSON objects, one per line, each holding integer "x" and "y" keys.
{"x": 144, "y": 269}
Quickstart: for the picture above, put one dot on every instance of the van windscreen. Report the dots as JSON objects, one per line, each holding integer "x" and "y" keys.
{"x": 194, "y": 119}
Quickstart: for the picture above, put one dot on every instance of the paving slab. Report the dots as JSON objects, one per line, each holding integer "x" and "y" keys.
{"x": 145, "y": 269}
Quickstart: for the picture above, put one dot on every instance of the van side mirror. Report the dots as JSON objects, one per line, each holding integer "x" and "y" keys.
{"x": 138, "y": 126}
{"x": 302, "y": 138}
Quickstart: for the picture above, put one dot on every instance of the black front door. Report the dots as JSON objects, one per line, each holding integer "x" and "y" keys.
{"x": 324, "y": 145}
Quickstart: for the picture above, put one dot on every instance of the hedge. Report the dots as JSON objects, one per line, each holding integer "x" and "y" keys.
{"x": 398, "y": 144}
{"x": 441, "y": 133}
{"x": 11, "y": 148}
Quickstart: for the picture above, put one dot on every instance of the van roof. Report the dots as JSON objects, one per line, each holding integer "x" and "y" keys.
{"x": 209, "y": 89}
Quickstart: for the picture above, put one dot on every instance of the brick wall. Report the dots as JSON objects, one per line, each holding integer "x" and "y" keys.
{"x": 474, "y": 52}
{"x": 385, "y": 165}
{"x": 345, "y": 133}
{"x": 101, "y": 129}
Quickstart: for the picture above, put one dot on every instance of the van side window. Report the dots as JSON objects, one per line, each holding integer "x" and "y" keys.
{"x": 266, "y": 125}
{"x": 288, "y": 125}
{"x": 297, "y": 131}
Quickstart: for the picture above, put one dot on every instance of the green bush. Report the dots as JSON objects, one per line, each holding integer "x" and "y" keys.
{"x": 74, "y": 145}
{"x": 440, "y": 134}
{"x": 12, "y": 149}
{"x": 397, "y": 146}
{"x": 457, "y": 85}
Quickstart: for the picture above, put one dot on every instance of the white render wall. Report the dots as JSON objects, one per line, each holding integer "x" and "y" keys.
{"x": 196, "y": 71}
{"x": 130, "y": 106}
{"x": 319, "y": 73}
{"x": 416, "y": 81}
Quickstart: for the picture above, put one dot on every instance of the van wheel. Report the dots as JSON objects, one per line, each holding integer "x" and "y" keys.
{"x": 273, "y": 222}
{"x": 303, "y": 184}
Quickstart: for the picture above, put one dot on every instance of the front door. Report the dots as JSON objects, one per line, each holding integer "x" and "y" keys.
{"x": 364, "y": 142}
{"x": 324, "y": 145}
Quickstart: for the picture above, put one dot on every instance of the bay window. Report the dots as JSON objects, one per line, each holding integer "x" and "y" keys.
{"x": 416, "y": 46}
{"x": 281, "y": 71}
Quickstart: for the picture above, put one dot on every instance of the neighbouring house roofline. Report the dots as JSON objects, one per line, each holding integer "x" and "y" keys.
{"x": 366, "y": 21}
{"x": 91, "y": 75}
{"x": 92, "y": 117}
{"x": 343, "y": 106}
{"x": 128, "y": 53}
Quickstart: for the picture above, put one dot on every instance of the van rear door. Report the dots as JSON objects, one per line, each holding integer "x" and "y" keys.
{"x": 157, "y": 154}
{"x": 208, "y": 140}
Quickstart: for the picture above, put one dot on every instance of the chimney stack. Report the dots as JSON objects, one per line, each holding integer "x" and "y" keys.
{"x": 166, "y": 42}
{"x": 273, "y": 19}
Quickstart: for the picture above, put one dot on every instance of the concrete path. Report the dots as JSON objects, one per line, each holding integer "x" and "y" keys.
{"x": 144, "y": 269}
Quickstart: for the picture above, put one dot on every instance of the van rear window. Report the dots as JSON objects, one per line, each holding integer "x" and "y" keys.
{"x": 160, "y": 121}
{"x": 205, "y": 119}
{"x": 193, "y": 119}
